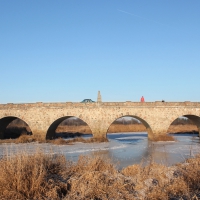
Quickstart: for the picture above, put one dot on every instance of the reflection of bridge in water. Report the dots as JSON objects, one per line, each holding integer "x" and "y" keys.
{"x": 44, "y": 118}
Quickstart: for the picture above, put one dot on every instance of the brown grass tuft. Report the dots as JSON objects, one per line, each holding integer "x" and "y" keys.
{"x": 99, "y": 140}
{"x": 46, "y": 176}
{"x": 156, "y": 181}
{"x": 37, "y": 176}
{"x": 163, "y": 138}
{"x": 58, "y": 141}
{"x": 25, "y": 139}
{"x": 191, "y": 172}
{"x": 95, "y": 178}
{"x": 61, "y": 141}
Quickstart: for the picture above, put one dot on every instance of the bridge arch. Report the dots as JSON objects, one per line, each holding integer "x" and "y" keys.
{"x": 144, "y": 122}
{"x": 4, "y": 123}
{"x": 194, "y": 118}
{"x": 51, "y": 132}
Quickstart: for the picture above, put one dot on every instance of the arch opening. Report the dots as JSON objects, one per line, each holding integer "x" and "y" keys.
{"x": 68, "y": 127}
{"x": 13, "y": 127}
{"x": 130, "y": 124}
{"x": 189, "y": 124}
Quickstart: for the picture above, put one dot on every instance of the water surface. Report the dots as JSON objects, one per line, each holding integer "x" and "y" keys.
{"x": 123, "y": 149}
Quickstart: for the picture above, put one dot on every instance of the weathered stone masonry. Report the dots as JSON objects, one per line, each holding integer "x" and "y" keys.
{"x": 43, "y": 118}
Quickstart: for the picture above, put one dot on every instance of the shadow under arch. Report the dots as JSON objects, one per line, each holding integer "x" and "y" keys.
{"x": 51, "y": 132}
{"x": 5, "y": 121}
{"x": 148, "y": 128}
{"x": 194, "y": 118}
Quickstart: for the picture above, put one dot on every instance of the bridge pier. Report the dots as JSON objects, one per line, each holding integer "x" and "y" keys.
{"x": 99, "y": 133}
{"x": 39, "y": 133}
{"x": 150, "y": 134}
{"x": 98, "y": 127}
{"x": 156, "y": 133}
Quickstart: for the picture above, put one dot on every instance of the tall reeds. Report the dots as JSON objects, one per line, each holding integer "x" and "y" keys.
{"x": 37, "y": 176}
{"x": 49, "y": 176}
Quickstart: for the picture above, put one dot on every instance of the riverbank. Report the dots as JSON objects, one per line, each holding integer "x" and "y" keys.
{"x": 123, "y": 148}
{"x": 116, "y": 128}
{"x": 48, "y": 176}
{"x": 74, "y": 131}
{"x": 58, "y": 141}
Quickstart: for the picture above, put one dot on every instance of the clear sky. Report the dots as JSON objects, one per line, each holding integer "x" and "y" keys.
{"x": 67, "y": 50}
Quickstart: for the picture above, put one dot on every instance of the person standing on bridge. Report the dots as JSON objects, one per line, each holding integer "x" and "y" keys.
{"x": 142, "y": 99}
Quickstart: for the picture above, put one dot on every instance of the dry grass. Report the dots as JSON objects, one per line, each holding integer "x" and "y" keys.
{"x": 46, "y": 176}
{"x": 66, "y": 129}
{"x": 58, "y": 141}
{"x": 191, "y": 173}
{"x": 97, "y": 179}
{"x": 163, "y": 138}
{"x": 100, "y": 139}
{"x": 114, "y": 128}
{"x": 61, "y": 141}
{"x": 187, "y": 128}
{"x": 156, "y": 182}
{"x": 37, "y": 176}
{"x": 25, "y": 139}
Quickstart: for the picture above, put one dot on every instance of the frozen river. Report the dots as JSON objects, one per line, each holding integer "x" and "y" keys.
{"x": 123, "y": 149}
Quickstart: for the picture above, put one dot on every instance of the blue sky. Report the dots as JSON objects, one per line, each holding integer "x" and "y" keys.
{"x": 67, "y": 50}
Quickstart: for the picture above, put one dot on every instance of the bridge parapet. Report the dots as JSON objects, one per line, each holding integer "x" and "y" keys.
{"x": 103, "y": 104}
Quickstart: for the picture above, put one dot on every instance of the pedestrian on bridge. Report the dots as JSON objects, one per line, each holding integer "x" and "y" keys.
{"x": 142, "y": 99}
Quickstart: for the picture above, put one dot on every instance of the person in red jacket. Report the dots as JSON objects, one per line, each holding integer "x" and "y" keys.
{"x": 142, "y": 99}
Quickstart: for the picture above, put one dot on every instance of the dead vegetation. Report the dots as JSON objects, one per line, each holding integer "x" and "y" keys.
{"x": 61, "y": 141}
{"x": 58, "y": 141}
{"x": 70, "y": 130}
{"x": 37, "y": 176}
{"x": 25, "y": 139}
{"x": 163, "y": 138}
{"x": 48, "y": 176}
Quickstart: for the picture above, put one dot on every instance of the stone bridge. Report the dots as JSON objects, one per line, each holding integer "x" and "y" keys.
{"x": 43, "y": 118}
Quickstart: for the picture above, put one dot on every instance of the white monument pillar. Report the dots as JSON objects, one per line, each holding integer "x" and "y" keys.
{"x": 99, "y": 100}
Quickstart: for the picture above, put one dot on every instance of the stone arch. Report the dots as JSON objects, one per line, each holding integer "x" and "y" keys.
{"x": 5, "y": 121}
{"x": 52, "y": 128}
{"x": 144, "y": 122}
{"x": 194, "y": 118}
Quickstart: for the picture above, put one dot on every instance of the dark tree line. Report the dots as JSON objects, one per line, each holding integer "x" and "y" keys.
{"x": 73, "y": 122}
{"x": 18, "y": 122}
{"x": 182, "y": 121}
{"x": 126, "y": 121}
